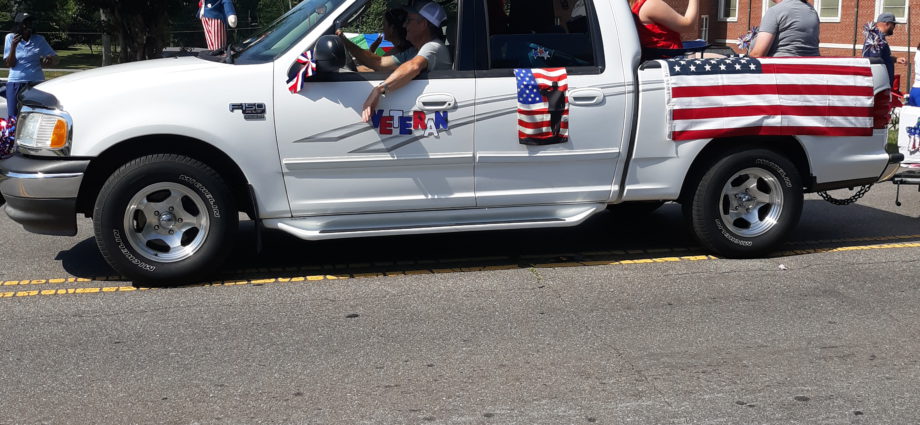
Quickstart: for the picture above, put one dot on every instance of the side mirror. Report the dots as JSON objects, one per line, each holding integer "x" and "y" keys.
{"x": 329, "y": 54}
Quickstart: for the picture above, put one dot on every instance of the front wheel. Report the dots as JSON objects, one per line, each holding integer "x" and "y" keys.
{"x": 746, "y": 204}
{"x": 164, "y": 219}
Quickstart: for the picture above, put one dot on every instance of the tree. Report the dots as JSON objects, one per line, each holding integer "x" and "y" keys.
{"x": 52, "y": 17}
{"x": 269, "y": 10}
{"x": 141, "y": 27}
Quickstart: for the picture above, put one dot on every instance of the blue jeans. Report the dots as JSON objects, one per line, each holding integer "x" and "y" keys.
{"x": 914, "y": 98}
{"x": 12, "y": 95}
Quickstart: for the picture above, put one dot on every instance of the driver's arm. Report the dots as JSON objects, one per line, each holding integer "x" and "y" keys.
{"x": 368, "y": 59}
{"x": 401, "y": 76}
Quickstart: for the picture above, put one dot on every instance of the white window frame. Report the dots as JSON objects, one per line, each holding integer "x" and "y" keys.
{"x": 722, "y": 17}
{"x": 766, "y": 5}
{"x": 817, "y": 6}
{"x": 878, "y": 10}
{"x": 704, "y": 27}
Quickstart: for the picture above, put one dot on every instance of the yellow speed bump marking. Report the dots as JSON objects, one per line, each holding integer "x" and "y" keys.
{"x": 321, "y": 277}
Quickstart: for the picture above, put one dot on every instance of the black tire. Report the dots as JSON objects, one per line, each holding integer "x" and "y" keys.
{"x": 190, "y": 238}
{"x": 746, "y": 204}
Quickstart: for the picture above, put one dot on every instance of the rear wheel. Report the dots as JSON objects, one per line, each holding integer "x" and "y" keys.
{"x": 164, "y": 219}
{"x": 746, "y": 204}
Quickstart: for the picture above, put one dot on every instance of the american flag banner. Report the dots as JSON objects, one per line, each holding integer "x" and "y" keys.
{"x": 308, "y": 67}
{"x": 543, "y": 108}
{"x": 742, "y": 96}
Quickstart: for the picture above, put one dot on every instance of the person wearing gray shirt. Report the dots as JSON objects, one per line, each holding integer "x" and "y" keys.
{"x": 434, "y": 51}
{"x": 790, "y": 28}
{"x": 423, "y": 28}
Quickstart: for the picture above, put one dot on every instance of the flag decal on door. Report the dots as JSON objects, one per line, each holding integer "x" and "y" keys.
{"x": 543, "y": 107}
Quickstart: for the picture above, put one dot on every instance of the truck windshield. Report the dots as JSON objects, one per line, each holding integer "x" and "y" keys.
{"x": 285, "y": 31}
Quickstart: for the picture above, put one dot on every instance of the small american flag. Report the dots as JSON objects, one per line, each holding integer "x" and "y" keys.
{"x": 308, "y": 67}
{"x": 543, "y": 109}
{"x": 740, "y": 96}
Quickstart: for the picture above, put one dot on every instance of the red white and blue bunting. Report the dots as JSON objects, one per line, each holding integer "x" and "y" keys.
{"x": 307, "y": 69}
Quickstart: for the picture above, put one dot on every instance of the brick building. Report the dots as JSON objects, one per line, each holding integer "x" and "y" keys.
{"x": 723, "y": 21}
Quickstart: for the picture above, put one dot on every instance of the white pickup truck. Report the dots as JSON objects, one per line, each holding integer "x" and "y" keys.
{"x": 164, "y": 154}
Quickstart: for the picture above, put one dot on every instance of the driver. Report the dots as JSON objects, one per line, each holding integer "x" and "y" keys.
{"x": 423, "y": 28}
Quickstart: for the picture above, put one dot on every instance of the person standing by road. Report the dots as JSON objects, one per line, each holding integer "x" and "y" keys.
{"x": 788, "y": 29}
{"x": 25, "y": 53}
{"x": 876, "y": 44}
{"x": 914, "y": 98}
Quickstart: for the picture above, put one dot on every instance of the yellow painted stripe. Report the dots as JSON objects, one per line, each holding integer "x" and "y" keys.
{"x": 321, "y": 277}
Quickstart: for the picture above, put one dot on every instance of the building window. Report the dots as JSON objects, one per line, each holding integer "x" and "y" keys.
{"x": 704, "y": 27}
{"x": 766, "y": 5}
{"x": 829, "y": 10}
{"x": 896, "y": 7}
{"x": 728, "y": 10}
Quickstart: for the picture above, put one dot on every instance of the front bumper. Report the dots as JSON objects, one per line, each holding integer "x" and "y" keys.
{"x": 41, "y": 193}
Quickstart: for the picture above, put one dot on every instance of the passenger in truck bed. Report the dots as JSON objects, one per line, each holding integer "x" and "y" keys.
{"x": 660, "y": 26}
{"x": 788, "y": 29}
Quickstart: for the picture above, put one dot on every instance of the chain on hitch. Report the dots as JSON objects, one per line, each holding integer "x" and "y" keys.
{"x": 846, "y": 201}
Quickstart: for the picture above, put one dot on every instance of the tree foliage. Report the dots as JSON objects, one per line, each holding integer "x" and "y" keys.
{"x": 142, "y": 28}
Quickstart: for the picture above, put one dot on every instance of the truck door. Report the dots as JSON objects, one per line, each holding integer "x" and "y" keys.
{"x": 582, "y": 128}
{"x": 413, "y": 156}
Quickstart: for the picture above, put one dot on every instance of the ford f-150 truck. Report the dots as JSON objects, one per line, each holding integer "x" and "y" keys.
{"x": 165, "y": 154}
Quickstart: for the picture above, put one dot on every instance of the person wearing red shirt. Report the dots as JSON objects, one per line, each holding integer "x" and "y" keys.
{"x": 660, "y": 26}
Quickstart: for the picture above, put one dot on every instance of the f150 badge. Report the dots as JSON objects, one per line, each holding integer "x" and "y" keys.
{"x": 251, "y": 111}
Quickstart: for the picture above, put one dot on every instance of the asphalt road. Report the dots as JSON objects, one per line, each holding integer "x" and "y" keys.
{"x": 621, "y": 320}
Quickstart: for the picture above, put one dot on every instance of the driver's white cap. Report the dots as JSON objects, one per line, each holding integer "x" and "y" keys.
{"x": 431, "y": 11}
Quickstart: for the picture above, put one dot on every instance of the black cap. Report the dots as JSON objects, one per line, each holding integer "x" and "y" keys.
{"x": 22, "y": 17}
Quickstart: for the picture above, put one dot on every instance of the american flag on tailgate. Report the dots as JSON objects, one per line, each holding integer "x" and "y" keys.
{"x": 741, "y": 96}
{"x": 543, "y": 109}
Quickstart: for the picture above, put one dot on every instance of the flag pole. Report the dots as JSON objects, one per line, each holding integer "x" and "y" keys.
{"x": 909, "y": 68}
{"x": 855, "y": 27}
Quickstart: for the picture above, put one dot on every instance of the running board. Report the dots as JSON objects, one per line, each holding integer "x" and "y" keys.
{"x": 442, "y": 221}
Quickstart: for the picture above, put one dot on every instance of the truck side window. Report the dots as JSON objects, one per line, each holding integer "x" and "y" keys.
{"x": 369, "y": 18}
{"x": 539, "y": 34}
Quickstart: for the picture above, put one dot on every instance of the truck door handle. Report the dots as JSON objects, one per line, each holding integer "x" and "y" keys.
{"x": 435, "y": 102}
{"x": 586, "y": 97}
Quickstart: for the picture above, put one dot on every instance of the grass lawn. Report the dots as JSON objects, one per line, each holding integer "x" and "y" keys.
{"x": 77, "y": 57}
{"x": 80, "y": 56}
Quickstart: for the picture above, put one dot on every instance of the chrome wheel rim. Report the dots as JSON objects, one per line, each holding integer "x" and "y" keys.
{"x": 751, "y": 202}
{"x": 166, "y": 222}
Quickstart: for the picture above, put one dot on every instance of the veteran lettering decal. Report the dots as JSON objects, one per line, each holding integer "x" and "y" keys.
{"x": 396, "y": 121}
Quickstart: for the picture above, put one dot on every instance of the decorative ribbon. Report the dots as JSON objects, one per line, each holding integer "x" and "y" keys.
{"x": 7, "y": 136}
{"x": 874, "y": 40}
{"x": 307, "y": 69}
{"x": 744, "y": 42}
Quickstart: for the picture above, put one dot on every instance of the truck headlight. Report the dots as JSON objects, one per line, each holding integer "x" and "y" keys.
{"x": 44, "y": 132}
